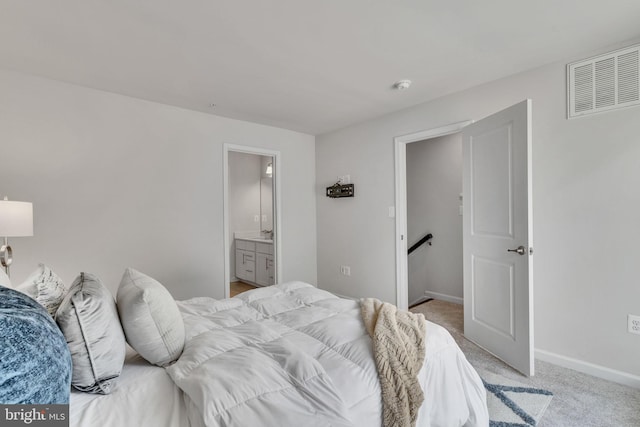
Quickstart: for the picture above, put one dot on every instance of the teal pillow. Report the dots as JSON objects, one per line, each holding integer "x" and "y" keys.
{"x": 35, "y": 362}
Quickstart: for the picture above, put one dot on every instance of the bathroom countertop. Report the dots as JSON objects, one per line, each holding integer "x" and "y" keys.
{"x": 256, "y": 239}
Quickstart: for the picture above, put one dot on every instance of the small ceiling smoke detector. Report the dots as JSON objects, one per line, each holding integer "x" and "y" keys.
{"x": 402, "y": 84}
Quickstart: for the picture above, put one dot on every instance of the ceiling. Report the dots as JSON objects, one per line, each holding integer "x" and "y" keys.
{"x": 310, "y": 66}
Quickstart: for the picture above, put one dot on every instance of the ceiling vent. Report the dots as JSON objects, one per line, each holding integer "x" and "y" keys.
{"x": 604, "y": 83}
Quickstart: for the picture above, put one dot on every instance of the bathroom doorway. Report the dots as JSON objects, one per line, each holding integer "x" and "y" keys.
{"x": 251, "y": 218}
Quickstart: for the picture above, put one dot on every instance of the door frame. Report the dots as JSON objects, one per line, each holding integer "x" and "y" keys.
{"x": 400, "y": 148}
{"x": 277, "y": 168}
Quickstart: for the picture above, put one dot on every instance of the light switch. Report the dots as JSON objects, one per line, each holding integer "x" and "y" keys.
{"x": 344, "y": 179}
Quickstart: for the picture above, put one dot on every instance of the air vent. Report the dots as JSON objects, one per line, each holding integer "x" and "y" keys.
{"x": 604, "y": 83}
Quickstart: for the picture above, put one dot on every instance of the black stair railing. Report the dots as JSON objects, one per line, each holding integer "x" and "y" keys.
{"x": 421, "y": 242}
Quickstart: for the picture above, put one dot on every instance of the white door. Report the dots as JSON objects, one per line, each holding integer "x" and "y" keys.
{"x": 497, "y": 235}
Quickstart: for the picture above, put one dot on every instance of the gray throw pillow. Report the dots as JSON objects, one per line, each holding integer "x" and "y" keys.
{"x": 150, "y": 318}
{"x": 89, "y": 321}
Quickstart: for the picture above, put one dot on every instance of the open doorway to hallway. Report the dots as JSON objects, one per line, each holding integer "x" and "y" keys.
{"x": 496, "y": 232}
{"x": 434, "y": 207}
{"x": 401, "y": 143}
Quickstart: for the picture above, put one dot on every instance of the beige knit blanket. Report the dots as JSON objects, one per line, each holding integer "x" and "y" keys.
{"x": 398, "y": 348}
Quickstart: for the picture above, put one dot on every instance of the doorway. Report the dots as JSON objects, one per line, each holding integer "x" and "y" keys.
{"x": 251, "y": 217}
{"x": 497, "y": 231}
{"x": 434, "y": 213}
{"x": 401, "y": 142}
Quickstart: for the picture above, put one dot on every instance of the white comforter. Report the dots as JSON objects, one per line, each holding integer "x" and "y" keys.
{"x": 294, "y": 355}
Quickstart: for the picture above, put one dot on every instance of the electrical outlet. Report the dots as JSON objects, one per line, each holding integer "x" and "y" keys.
{"x": 633, "y": 324}
{"x": 345, "y": 270}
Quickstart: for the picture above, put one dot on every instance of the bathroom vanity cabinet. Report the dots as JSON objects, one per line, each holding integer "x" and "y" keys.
{"x": 254, "y": 261}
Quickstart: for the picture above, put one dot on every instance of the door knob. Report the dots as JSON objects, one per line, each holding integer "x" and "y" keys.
{"x": 520, "y": 250}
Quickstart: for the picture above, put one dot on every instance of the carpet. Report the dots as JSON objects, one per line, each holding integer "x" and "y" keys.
{"x": 512, "y": 404}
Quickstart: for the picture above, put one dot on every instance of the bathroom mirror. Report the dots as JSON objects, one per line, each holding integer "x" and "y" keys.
{"x": 266, "y": 193}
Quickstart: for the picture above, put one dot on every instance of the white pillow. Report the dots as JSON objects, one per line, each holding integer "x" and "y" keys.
{"x": 150, "y": 318}
{"x": 44, "y": 286}
{"x": 89, "y": 321}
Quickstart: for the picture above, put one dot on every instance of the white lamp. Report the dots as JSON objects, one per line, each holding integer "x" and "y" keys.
{"x": 16, "y": 220}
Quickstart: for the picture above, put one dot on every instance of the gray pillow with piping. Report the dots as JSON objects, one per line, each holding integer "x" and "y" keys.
{"x": 89, "y": 321}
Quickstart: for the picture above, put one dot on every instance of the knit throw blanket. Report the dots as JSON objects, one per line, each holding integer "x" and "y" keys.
{"x": 398, "y": 349}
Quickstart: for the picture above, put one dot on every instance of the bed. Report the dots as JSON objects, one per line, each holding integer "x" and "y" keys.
{"x": 284, "y": 355}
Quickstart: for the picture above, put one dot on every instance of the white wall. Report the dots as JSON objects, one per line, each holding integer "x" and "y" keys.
{"x": 585, "y": 212}
{"x": 117, "y": 182}
{"x": 434, "y": 184}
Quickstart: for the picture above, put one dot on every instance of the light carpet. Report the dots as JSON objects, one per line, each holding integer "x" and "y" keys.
{"x": 579, "y": 400}
{"x": 512, "y": 404}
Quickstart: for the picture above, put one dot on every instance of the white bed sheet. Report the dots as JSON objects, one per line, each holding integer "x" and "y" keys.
{"x": 453, "y": 390}
{"x": 144, "y": 395}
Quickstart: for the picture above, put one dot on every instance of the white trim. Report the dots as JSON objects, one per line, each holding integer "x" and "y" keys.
{"x": 276, "y": 204}
{"x": 402, "y": 268}
{"x": 531, "y": 319}
{"x": 444, "y": 297}
{"x": 400, "y": 148}
{"x": 589, "y": 368}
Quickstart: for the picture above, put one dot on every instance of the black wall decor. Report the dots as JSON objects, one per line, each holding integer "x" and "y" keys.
{"x": 338, "y": 190}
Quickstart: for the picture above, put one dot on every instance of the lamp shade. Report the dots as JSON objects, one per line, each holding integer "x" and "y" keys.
{"x": 16, "y": 218}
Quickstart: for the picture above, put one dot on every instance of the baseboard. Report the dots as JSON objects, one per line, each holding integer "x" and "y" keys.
{"x": 419, "y": 301}
{"x": 344, "y": 296}
{"x": 589, "y": 368}
{"x": 444, "y": 297}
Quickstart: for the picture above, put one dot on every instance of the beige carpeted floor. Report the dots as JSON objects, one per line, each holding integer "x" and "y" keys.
{"x": 579, "y": 400}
